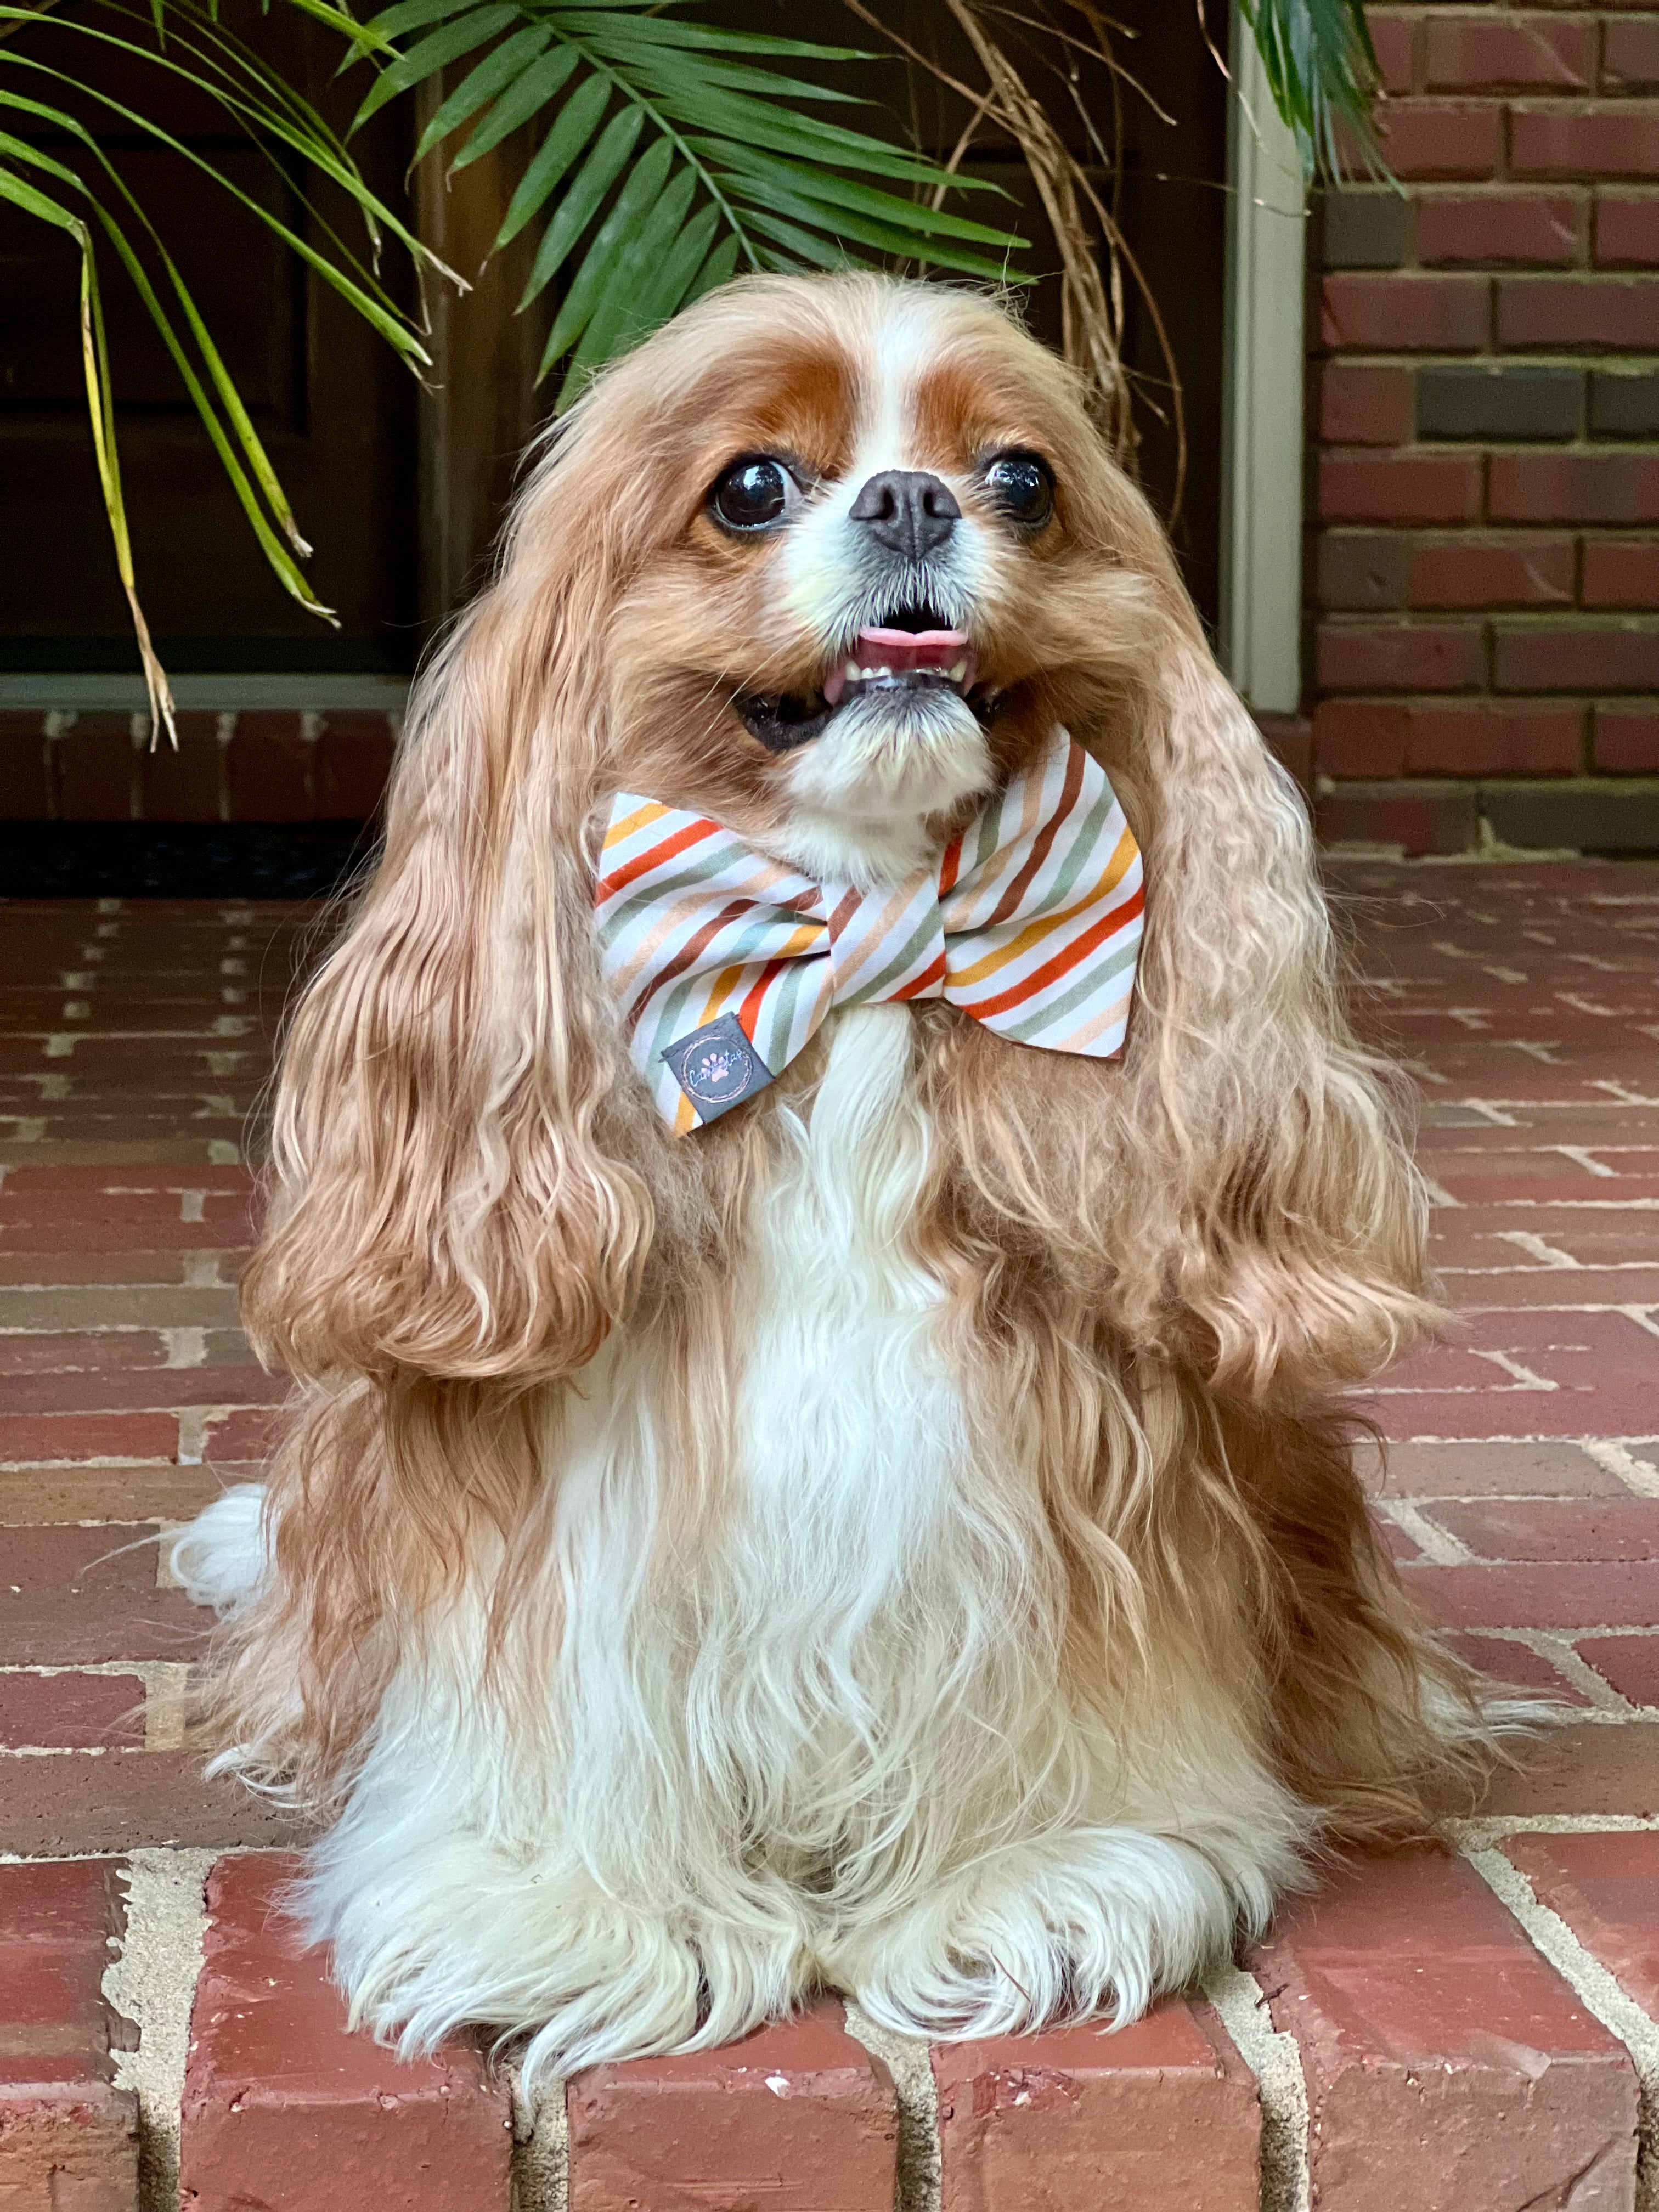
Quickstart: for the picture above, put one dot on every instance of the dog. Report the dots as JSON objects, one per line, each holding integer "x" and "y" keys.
{"x": 820, "y": 1454}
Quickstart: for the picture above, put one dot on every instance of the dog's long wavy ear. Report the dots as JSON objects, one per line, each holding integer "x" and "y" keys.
{"x": 457, "y": 1185}
{"x": 1268, "y": 1177}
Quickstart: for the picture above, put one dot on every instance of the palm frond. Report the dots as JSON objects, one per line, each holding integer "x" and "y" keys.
{"x": 1322, "y": 71}
{"x": 88, "y": 198}
{"x": 673, "y": 153}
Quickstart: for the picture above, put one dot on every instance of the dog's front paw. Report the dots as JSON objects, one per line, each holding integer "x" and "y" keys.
{"x": 1098, "y": 1921}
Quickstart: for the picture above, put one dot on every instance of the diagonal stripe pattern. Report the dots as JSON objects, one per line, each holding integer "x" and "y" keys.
{"x": 1029, "y": 921}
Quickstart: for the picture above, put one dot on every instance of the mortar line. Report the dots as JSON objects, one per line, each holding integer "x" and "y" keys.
{"x": 153, "y": 1984}
{"x": 1275, "y": 2059}
{"x": 917, "y": 2181}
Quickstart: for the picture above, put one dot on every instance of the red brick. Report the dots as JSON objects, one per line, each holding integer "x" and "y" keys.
{"x": 186, "y": 786}
{"x": 1393, "y": 37}
{"x": 1587, "y": 1767}
{"x": 1556, "y": 1595}
{"x": 96, "y": 769}
{"x": 1163, "y": 2116}
{"x": 1465, "y": 572}
{"x": 1626, "y": 230}
{"x": 1573, "y": 487}
{"x": 354, "y": 758}
{"x": 247, "y": 1433}
{"x": 76, "y": 1803}
{"x": 1629, "y": 54}
{"x": 1578, "y": 310}
{"x": 1548, "y": 1528}
{"x": 272, "y": 770}
{"x": 1360, "y": 736}
{"x": 1441, "y": 137}
{"x": 88, "y": 1436}
{"x": 275, "y": 2084}
{"x": 1621, "y": 572}
{"x": 1478, "y": 1469}
{"x": 155, "y": 1490}
{"x": 1455, "y": 228}
{"x": 64, "y": 1628}
{"x": 1606, "y": 1888}
{"x": 1628, "y": 1664}
{"x": 1289, "y": 739}
{"x": 797, "y": 2116}
{"x": 68, "y": 2138}
{"x": 112, "y": 1556}
{"x": 1627, "y": 740}
{"x": 1518, "y": 1664}
{"x": 1418, "y": 817}
{"x": 1400, "y": 656}
{"x": 1484, "y": 737}
{"x": 1363, "y": 405}
{"x": 72, "y": 1713}
{"x": 1400, "y": 488}
{"x": 1610, "y": 657}
{"x": 1447, "y": 2063}
{"x": 1489, "y": 52}
{"x": 23, "y": 769}
{"x": 1382, "y": 311}
{"x": 1605, "y": 140}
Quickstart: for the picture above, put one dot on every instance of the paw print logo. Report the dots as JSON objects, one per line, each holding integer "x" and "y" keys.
{"x": 713, "y": 1071}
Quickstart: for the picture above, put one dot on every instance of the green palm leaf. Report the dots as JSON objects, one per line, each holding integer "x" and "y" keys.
{"x": 675, "y": 152}
{"x": 1322, "y": 71}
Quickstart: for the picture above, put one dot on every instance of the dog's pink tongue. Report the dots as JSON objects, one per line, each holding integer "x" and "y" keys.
{"x": 905, "y": 651}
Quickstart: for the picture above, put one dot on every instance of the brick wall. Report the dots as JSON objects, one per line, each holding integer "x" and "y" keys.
{"x": 262, "y": 766}
{"x": 1485, "y": 483}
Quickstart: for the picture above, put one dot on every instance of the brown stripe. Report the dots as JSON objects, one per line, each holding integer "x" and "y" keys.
{"x": 1009, "y": 903}
{"x": 692, "y": 950}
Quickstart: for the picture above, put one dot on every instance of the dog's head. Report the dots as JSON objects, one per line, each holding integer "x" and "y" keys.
{"x": 854, "y": 537}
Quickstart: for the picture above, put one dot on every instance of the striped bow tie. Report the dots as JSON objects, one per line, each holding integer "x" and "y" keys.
{"x": 724, "y": 962}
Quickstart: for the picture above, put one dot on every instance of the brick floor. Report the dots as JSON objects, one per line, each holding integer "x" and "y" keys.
{"x": 1521, "y": 1495}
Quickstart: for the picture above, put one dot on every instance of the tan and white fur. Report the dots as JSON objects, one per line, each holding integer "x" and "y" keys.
{"x": 903, "y": 1537}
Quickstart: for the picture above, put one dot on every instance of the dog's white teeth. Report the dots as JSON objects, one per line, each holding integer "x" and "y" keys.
{"x": 851, "y": 673}
{"x": 869, "y": 675}
{"x": 959, "y": 672}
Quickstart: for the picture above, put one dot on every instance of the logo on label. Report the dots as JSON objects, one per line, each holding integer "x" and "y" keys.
{"x": 717, "y": 1067}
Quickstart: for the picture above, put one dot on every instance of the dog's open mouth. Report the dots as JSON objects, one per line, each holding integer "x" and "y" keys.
{"x": 912, "y": 650}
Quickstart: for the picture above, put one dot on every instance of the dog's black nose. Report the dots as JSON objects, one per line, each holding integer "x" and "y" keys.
{"x": 909, "y": 511}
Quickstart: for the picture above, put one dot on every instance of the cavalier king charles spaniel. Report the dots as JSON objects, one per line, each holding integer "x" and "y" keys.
{"x": 823, "y": 1206}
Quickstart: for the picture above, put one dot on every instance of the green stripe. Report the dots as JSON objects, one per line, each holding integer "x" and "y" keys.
{"x": 898, "y": 966}
{"x": 648, "y": 894}
{"x": 781, "y": 1013}
{"x": 1028, "y": 1027}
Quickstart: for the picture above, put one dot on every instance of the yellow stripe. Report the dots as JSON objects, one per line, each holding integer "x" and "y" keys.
{"x": 1034, "y": 931}
{"x": 651, "y": 812}
{"x": 685, "y": 1115}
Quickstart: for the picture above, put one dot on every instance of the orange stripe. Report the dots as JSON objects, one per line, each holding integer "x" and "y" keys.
{"x": 932, "y": 974}
{"x": 693, "y": 834}
{"x": 1123, "y": 852}
{"x": 1063, "y": 963}
{"x": 652, "y": 811}
{"x": 950, "y": 867}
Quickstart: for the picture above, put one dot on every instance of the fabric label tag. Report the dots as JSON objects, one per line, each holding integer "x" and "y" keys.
{"x": 717, "y": 1067}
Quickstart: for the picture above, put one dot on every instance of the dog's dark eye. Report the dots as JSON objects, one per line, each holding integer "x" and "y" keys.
{"x": 1023, "y": 486}
{"x": 752, "y": 493}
